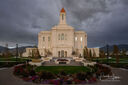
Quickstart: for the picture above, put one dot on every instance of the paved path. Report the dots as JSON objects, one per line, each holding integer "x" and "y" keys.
{"x": 72, "y": 63}
{"x": 7, "y": 78}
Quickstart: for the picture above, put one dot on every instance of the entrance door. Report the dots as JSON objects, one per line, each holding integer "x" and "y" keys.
{"x": 62, "y": 53}
{"x": 58, "y": 53}
{"x": 65, "y": 53}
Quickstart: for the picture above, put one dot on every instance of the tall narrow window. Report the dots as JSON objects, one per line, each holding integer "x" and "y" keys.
{"x": 75, "y": 38}
{"x": 81, "y": 39}
{"x": 43, "y": 38}
{"x": 48, "y": 38}
{"x": 59, "y": 37}
{"x": 62, "y": 16}
{"x": 62, "y": 36}
{"x": 65, "y": 36}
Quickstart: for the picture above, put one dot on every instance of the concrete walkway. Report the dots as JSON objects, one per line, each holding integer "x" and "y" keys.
{"x": 7, "y": 78}
{"x": 72, "y": 63}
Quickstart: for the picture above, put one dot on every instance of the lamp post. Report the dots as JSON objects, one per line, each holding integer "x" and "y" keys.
{"x": 107, "y": 47}
{"x": 16, "y": 51}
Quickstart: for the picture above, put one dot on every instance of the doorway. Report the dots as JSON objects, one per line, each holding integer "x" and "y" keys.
{"x": 62, "y": 53}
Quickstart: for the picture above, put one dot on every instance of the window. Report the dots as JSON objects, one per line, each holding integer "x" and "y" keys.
{"x": 65, "y": 36}
{"x": 81, "y": 39}
{"x": 81, "y": 46}
{"x": 48, "y": 38}
{"x": 59, "y": 37}
{"x": 75, "y": 38}
{"x": 62, "y": 16}
{"x": 43, "y": 38}
{"x": 62, "y": 36}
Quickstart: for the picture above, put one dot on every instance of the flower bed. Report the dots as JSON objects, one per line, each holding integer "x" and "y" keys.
{"x": 30, "y": 74}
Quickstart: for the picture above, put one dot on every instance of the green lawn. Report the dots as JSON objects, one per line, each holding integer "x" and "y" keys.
{"x": 13, "y": 59}
{"x": 66, "y": 69}
{"x": 8, "y": 62}
{"x": 112, "y": 60}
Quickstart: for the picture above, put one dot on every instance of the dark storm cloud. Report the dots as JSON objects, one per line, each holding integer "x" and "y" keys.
{"x": 105, "y": 21}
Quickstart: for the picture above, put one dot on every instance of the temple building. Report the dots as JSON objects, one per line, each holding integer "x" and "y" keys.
{"x": 62, "y": 40}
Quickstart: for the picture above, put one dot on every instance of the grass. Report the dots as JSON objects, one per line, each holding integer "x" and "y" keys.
{"x": 66, "y": 69}
{"x": 112, "y": 60}
{"x": 13, "y": 59}
{"x": 8, "y": 62}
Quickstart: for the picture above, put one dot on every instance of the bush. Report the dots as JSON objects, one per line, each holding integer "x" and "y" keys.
{"x": 81, "y": 76}
{"x": 63, "y": 73}
{"x": 46, "y": 75}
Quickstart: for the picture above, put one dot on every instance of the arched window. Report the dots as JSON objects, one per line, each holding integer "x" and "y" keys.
{"x": 62, "y": 16}
{"x": 81, "y": 39}
{"x": 65, "y": 36}
{"x": 48, "y": 38}
{"x": 75, "y": 38}
{"x": 43, "y": 38}
{"x": 62, "y": 36}
{"x": 59, "y": 37}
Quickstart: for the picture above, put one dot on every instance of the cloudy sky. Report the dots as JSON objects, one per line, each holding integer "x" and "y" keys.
{"x": 105, "y": 21}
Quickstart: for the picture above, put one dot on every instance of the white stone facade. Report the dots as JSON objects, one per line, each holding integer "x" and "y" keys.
{"x": 62, "y": 40}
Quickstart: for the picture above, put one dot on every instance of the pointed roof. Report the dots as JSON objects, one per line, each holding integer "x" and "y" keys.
{"x": 62, "y": 10}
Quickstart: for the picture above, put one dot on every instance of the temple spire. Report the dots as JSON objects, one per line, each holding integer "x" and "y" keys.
{"x": 62, "y": 16}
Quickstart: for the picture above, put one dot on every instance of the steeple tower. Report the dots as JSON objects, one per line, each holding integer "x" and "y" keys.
{"x": 62, "y": 16}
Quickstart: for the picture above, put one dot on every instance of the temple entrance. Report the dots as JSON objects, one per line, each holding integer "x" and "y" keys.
{"x": 62, "y": 53}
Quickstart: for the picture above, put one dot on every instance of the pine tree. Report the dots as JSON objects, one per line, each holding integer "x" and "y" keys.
{"x": 84, "y": 54}
{"x": 116, "y": 52}
{"x": 90, "y": 54}
{"x": 94, "y": 53}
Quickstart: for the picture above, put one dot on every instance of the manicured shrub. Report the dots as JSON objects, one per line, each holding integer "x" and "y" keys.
{"x": 46, "y": 75}
{"x": 63, "y": 73}
{"x": 81, "y": 76}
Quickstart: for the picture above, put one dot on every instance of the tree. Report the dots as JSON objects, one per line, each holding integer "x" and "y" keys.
{"x": 75, "y": 53}
{"x": 102, "y": 54}
{"x": 116, "y": 52}
{"x": 7, "y": 53}
{"x": 35, "y": 53}
{"x": 123, "y": 53}
{"x": 94, "y": 53}
{"x": 90, "y": 54}
{"x": 85, "y": 52}
{"x": 47, "y": 52}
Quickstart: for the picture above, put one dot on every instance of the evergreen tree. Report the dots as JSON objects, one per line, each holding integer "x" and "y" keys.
{"x": 90, "y": 54}
{"x": 94, "y": 53}
{"x": 123, "y": 53}
{"x": 102, "y": 54}
{"x": 84, "y": 54}
{"x": 116, "y": 52}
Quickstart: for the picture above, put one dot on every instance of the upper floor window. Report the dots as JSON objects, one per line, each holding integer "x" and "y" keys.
{"x": 62, "y": 16}
{"x": 48, "y": 38}
{"x": 62, "y": 36}
{"x": 59, "y": 37}
{"x": 65, "y": 36}
{"x": 75, "y": 38}
{"x": 43, "y": 38}
{"x": 81, "y": 39}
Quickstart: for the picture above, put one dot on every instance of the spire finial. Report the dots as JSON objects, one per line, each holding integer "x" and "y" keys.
{"x": 62, "y": 10}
